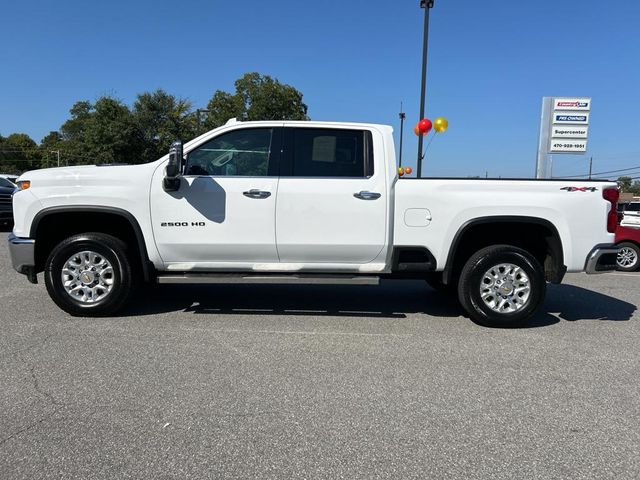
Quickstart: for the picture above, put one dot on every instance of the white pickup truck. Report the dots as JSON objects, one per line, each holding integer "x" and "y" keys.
{"x": 305, "y": 202}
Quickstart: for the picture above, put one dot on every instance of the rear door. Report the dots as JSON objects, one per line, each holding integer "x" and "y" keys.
{"x": 332, "y": 197}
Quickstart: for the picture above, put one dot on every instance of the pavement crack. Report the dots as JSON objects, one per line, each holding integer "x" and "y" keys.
{"x": 52, "y": 401}
{"x": 30, "y": 347}
{"x": 29, "y": 427}
{"x": 38, "y": 388}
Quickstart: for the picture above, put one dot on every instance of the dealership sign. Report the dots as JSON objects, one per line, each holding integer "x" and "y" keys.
{"x": 559, "y": 145}
{"x": 575, "y": 104}
{"x": 564, "y": 128}
{"x": 571, "y": 118}
{"x": 569, "y": 131}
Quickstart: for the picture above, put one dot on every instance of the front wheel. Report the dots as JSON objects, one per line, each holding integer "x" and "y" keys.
{"x": 628, "y": 255}
{"x": 501, "y": 286}
{"x": 89, "y": 274}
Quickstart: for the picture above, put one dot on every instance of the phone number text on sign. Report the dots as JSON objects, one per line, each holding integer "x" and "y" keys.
{"x": 568, "y": 146}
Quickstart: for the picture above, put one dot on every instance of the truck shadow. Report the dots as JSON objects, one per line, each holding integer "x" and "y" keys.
{"x": 392, "y": 299}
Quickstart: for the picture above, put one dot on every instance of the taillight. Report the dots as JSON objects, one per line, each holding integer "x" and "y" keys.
{"x": 611, "y": 195}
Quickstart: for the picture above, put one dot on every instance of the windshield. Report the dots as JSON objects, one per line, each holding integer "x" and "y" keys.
{"x": 5, "y": 183}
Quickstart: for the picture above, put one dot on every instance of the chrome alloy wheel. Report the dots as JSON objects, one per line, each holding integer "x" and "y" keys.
{"x": 627, "y": 257}
{"x": 87, "y": 277}
{"x": 505, "y": 288}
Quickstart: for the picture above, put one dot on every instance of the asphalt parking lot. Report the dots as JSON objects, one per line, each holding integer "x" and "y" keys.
{"x": 319, "y": 382}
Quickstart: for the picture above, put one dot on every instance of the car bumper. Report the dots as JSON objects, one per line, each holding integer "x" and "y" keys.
{"x": 22, "y": 251}
{"x": 601, "y": 259}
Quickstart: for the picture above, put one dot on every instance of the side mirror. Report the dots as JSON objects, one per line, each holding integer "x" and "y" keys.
{"x": 174, "y": 167}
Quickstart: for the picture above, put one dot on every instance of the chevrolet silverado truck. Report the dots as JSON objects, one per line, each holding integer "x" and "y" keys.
{"x": 305, "y": 202}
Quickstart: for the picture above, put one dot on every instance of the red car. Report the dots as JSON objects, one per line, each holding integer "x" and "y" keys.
{"x": 628, "y": 242}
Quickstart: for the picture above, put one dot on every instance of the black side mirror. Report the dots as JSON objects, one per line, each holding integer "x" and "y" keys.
{"x": 174, "y": 167}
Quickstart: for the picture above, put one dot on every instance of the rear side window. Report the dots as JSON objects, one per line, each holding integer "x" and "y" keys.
{"x": 321, "y": 152}
{"x": 633, "y": 207}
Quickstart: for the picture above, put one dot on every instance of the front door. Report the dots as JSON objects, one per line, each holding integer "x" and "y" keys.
{"x": 223, "y": 215}
{"x": 332, "y": 197}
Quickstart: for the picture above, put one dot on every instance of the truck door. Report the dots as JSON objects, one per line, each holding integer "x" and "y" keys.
{"x": 332, "y": 197}
{"x": 223, "y": 215}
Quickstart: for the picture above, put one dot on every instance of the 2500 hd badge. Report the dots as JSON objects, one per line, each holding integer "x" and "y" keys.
{"x": 182, "y": 224}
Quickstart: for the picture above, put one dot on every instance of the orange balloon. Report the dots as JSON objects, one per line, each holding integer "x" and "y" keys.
{"x": 416, "y": 130}
{"x": 408, "y": 170}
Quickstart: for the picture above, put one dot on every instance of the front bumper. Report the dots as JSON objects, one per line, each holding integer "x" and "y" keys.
{"x": 601, "y": 259}
{"x": 22, "y": 251}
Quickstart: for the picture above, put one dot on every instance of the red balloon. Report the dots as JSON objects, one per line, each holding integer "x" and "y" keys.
{"x": 425, "y": 125}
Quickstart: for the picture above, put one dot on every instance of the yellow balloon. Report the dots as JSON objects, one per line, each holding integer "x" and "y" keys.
{"x": 440, "y": 125}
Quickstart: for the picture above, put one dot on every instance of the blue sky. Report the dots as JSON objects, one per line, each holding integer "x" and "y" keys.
{"x": 490, "y": 63}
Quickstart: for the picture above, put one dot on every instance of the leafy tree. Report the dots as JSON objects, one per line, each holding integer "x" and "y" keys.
{"x": 18, "y": 151}
{"x": 624, "y": 183}
{"x": 109, "y": 131}
{"x": 161, "y": 118}
{"x": 104, "y": 132}
{"x": 635, "y": 188}
{"x": 257, "y": 97}
{"x": 51, "y": 146}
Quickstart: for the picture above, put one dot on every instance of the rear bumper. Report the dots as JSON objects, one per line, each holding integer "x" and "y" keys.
{"x": 601, "y": 259}
{"x": 22, "y": 251}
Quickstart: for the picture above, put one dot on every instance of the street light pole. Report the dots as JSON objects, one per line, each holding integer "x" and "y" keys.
{"x": 427, "y": 5}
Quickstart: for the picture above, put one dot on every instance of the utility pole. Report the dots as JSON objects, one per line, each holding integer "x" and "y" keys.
{"x": 402, "y": 117}
{"x": 590, "y": 167}
{"x": 57, "y": 152}
{"x": 427, "y": 5}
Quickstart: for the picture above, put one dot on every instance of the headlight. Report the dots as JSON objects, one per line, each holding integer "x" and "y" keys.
{"x": 23, "y": 184}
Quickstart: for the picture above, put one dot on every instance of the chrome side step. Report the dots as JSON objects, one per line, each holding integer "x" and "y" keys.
{"x": 300, "y": 279}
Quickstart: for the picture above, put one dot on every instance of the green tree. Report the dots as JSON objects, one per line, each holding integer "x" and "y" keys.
{"x": 104, "y": 132}
{"x": 161, "y": 118}
{"x": 624, "y": 183}
{"x": 51, "y": 146}
{"x": 18, "y": 151}
{"x": 257, "y": 97}
{"x": 635, "y": 188}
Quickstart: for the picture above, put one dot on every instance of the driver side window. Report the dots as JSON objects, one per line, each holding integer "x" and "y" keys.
{"x": 242, "y": 153}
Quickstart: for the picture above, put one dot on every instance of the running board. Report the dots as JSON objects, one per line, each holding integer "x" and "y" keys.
{"x": 300, "y": 279}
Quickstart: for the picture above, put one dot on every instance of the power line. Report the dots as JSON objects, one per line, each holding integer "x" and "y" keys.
{"x": 602, "y": 173}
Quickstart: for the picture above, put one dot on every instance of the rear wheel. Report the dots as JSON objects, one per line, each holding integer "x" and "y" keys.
{"x": 501, "y": 286}
{"x": 628, "y": 255}
{"x": 89, "y": 274}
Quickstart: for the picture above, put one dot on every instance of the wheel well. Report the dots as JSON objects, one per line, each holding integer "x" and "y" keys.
{"x": 49, "y": 229}
{"x": 538, "y": 237}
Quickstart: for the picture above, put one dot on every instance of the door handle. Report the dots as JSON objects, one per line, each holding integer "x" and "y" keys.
{"x": 254, "y": 193}
{"x": 364, "y": 195}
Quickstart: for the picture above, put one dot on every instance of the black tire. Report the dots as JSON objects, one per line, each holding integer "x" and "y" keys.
{"x": 471, "y": 280}
{"x": 631, "y": 261}
{"x": 436, "y": 283}
{"x": 111, "y": 249}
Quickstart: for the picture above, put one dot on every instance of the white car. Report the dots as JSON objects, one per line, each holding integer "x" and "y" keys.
{"x": 631, "y": 215}
{"x": 305, "y": 202}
